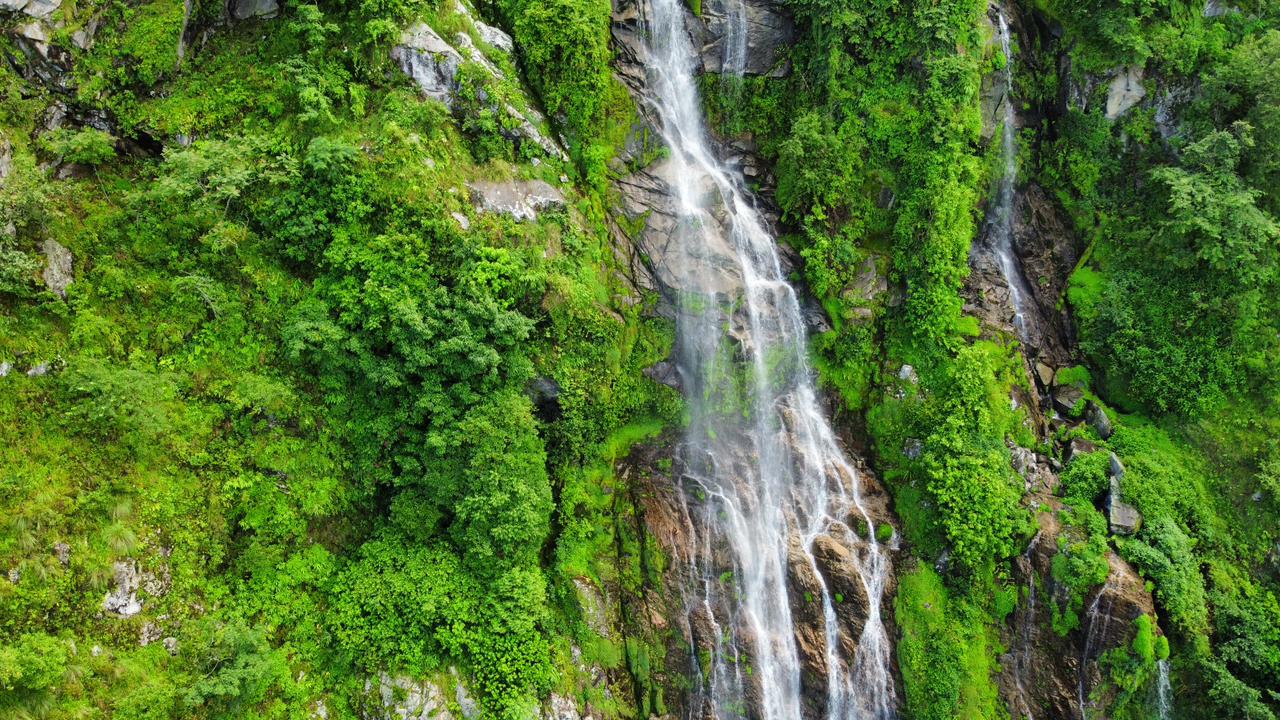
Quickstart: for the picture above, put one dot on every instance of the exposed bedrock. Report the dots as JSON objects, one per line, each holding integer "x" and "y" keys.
{"x": 1047, "y": 251}
{"x": 748, "y": 37}
{"x": 1045, "y": 674}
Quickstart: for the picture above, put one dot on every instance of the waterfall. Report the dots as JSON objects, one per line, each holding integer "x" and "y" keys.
{"x": 735, "y": 37}
{"x": 1093, "y": 633}
{"x": 1023, "y": 660}
{"x": 772, "y": 500}
{"x": 999, "y": 232}
{"x": 1164, "y": 691}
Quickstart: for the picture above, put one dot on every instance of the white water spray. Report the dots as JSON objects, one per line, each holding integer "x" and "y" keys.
{"x": 768, "y": 490}
{"x": 999, "y": 234}
{"x": 1022, "y": 663}
{"x": 1164, "y": 691}
{"x": 1094, "y": 632}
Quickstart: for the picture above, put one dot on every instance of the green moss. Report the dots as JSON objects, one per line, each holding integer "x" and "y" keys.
{"x": 945, "y": 653}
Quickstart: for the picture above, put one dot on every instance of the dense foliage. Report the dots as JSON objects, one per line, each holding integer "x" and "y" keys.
{"x": 338, "y": 432}
{"x": 288, "y": 388}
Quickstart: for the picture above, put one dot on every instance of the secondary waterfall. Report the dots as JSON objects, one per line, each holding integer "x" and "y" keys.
{"x": 1094, "y": 631}
{"x": 1022, "y": 663}
{"x": 769, "y": 492}
{"x": 1164, "y": 691}
{"x": 999, "y": 232}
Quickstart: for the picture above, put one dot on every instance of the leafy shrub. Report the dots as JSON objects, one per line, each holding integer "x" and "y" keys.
{"x": 30, "y": 667}
{"x": 1080, "y": 563}
{"x": 1164, "y": 553}
{"x": 1085, "y": 477}
{"x": 415, "y": 608}
{"x": 87, "y": 146}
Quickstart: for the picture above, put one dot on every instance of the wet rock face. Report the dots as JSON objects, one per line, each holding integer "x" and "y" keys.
{"x": 648, "y": 210}
{"x": 668, "y": 515}
{"x": 748, "y": 37}
{"x": 1047, "y": 251}
{"x": 745, "y": 36}
{"x": 1044, "y": 674}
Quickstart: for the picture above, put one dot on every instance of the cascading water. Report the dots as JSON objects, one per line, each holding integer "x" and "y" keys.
{"x": 1022, "y": 662}
{"x": 1094, "y": 631}
{"x": 999, "y": 233}
{"x": 735, "y": 37}
{"x": 765, "y": 480}
{"x": 1164, "y": 691}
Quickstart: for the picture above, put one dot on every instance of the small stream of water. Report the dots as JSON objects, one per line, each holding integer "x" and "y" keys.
{"x": 999, "y": 224}
{"x": 1164, "y": 691}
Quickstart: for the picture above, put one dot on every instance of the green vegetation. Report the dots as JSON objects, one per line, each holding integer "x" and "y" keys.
{"x": 324, "y": 430}
{"x": 1080, "y": 563}
{"x": 946, "y": 650}
{"x": 290, "y": 389}
{"x": 1175, "y": 302}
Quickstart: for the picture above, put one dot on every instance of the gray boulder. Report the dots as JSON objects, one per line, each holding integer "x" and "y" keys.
{"x": 1122, "y": 518}
{"x": 519, "y": 199}
{"x": 432, "y": 63}
{"x": 245, "y": 9}
{"x": 1124, "y": 91}
{"x": 1044, "y": 374}
{"x": 57, "y": 268}
{"x": 1098, "y": 420}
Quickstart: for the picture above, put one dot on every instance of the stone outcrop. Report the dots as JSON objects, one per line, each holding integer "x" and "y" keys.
{"x": 518, "y": 199}
{"x": 1124, "y": 91}
{"x": 34, "y": 23}
{"x": 122, "y": 600}
{"x": 1047, "y": 251}
{"x": 57, "y": 273}
{"x": 1122, "y": 518}
{"x": 434, "y": 64}
{"x": 1098, "y": 419}
{"x": 403, "y": 698}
